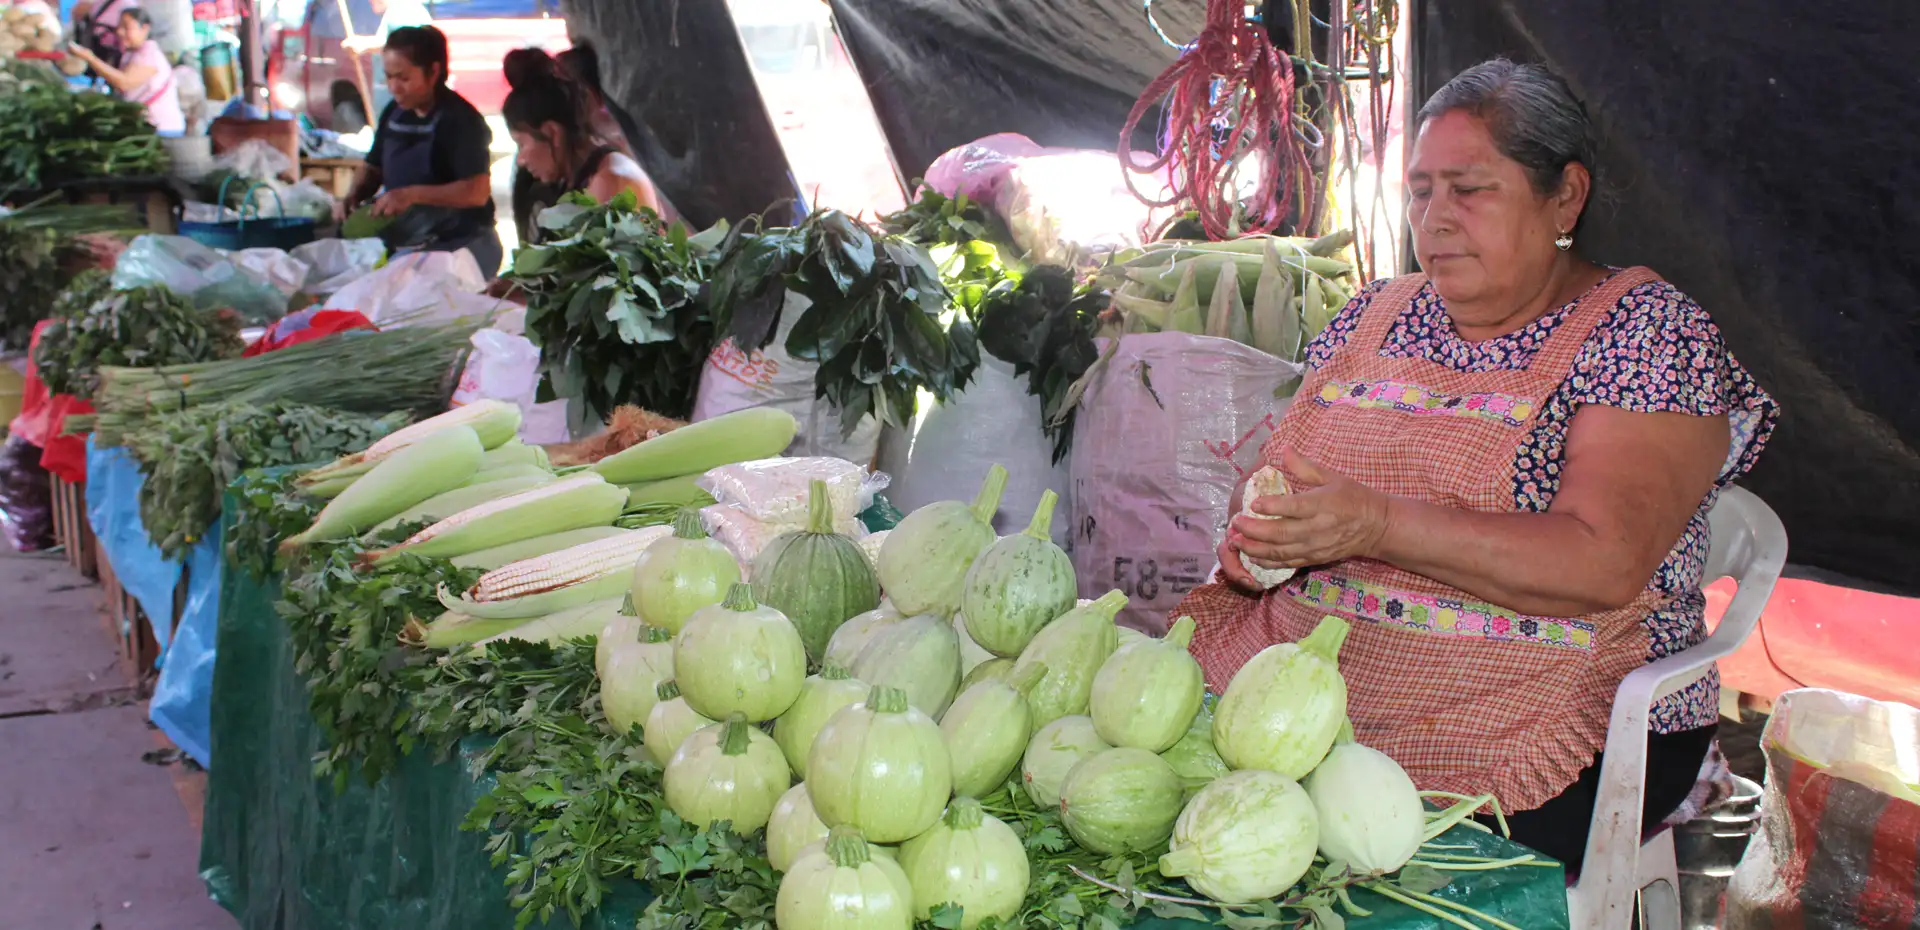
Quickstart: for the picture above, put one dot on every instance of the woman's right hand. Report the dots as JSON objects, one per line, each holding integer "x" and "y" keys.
{"x": 1233, "y": 570}
{"x": 340, "y": 211}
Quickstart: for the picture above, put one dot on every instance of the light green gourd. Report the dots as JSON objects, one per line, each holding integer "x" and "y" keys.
{"x": 1018, "y": 585}
{"x": 1072, "y": 648}
{"x": 924, "y": 561}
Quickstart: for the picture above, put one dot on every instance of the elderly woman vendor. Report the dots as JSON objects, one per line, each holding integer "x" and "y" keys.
{"x": 1500, "y": 470}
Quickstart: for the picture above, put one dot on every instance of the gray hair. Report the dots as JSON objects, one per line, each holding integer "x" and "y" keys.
{"x": 1531, "y": 113}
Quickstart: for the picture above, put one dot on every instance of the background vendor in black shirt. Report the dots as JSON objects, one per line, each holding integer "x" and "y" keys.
{"x": 431, "y": 156}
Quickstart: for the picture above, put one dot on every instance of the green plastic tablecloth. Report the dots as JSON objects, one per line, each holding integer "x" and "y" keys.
{"x": 283, "y": 851}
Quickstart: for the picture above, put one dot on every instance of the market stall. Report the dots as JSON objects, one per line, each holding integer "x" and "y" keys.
{"x": 795, "y": 549}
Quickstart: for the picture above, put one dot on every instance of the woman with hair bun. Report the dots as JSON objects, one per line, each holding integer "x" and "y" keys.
{"x": 552, "y": 119}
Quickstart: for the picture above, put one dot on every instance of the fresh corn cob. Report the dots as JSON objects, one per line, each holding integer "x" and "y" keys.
{"x": 677, "y": 492}
{"x": 493, "y": 422}
{"x": 1315, "y": 313}
{"x": 490, "y": 559}
{"x": 453, "y": 629}
{"x": 330, "y": 488}
{"x": 567, "y": 504}
{"x": 488, "y": 475}
{"x": 1226, "y": 292}
{"x": 1153, "y": 313}
{"x": 434, "y": 465}
{"x": 515, "y": 452}
{"x": 561, "y": 625}
{"x": 442, "y": 506}
{"x": 556, "y": 581}
{"x": 740, "y": 436}
{"x": 1184, "y": 315}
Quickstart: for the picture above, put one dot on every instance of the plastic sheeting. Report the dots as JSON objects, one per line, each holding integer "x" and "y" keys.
{"x": 182, "y": 696}
{"x": 945, "y": 72}
{"x": 282, "y": 851}
{"x": 684, "y": 95}
{"x": 113, "y": 510}
{"x": 1759, "y": 163}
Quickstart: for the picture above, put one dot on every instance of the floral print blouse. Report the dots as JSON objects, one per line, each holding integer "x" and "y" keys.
{"x": 1657, "y": 351}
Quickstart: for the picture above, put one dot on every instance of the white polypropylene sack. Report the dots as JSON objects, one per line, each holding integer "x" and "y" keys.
{"x": 735, "y": 380}
{"x": 420, "y": 287}
{"x": 776, "y": 490}
{"x": 947, "y": 453}
{"x": 1163, "y": 435}
{"x": 506, "y": 367}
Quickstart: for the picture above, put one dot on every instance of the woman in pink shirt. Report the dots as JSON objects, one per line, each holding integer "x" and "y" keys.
{"x": 143, "y": 76}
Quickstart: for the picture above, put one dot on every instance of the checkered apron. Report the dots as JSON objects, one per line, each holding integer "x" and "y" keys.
{"x": 1467, "y": 696}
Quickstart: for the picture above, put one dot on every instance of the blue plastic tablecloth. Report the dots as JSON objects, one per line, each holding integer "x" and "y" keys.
{"x": 181, "y": 696}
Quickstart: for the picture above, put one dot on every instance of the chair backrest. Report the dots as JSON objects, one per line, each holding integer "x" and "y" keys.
{"x": 1748, "y": 545}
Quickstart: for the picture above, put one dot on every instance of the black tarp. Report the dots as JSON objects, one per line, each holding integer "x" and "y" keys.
{"x": 1761, "y": 156}
{"x": 943, "y": 73}
{"x": 678, "y": 82}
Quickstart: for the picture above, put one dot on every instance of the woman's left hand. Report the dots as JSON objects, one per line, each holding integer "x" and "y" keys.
{"x": 396, "y": 202}
{"x": 1327, "y": 517}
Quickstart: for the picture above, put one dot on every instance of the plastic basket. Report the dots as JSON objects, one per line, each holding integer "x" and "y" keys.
{"x": 257, "y": 232}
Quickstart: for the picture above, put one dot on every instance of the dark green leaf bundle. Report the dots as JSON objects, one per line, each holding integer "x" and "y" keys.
{"x": 876, "y": 324}
{"x": 189, "y": 457}
{"x": 50, "y": 135}
{"x": 37, "y": 248}
{"x": 145, "y": 327}
{"x": 613, "y": 303}
{"x": 1043, "y": 324}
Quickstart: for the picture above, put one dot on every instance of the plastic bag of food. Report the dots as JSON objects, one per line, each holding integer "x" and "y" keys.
{"x": 745, "y": 536}
{"x": 207, "y": 277}
{"x": 26, "y": 496}
{"x": 775, "y": 490}
{"x": 1840, "y": 819}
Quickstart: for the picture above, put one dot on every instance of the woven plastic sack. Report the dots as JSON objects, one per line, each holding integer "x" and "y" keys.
{"x": 769, "y": 377}
{"x": 948, "y": 451}
{"x": 1840, "y": 819}
{"x": 1168, "y": 426}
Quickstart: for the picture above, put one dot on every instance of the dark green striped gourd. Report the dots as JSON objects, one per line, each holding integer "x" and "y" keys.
{"x": 815, "y": 576}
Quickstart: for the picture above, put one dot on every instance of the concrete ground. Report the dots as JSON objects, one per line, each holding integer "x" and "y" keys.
{"x": 99, "y": 821}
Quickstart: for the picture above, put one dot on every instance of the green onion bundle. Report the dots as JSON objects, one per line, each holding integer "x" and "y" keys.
{"x": 410, "y": 368}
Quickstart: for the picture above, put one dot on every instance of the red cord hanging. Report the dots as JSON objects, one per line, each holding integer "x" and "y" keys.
{"x": 1247, "y": 120}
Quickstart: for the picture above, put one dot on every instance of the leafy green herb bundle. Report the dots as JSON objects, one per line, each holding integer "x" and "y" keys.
{"x": 189, "y": 456}
{"x": 345, "y": 623}
{"x": 270, "y": 508}
{"x": 613, "y": 303}
{"x": 38, "y": 246}
{"x": 1043, "y": 324}
{"x": 144, "y": 327}
{"x": 50, "y": 135}
{"x": 875, "y": 324}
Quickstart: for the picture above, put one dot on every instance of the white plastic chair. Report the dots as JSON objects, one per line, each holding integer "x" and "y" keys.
{"x": 1750, "y": 546}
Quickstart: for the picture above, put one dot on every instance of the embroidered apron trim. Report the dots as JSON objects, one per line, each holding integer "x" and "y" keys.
{"x": 1439, "y": 615}
{"x": 1412, "y": 398}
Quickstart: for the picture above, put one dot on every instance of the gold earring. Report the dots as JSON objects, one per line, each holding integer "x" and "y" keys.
{"x": 1564, "y": 242}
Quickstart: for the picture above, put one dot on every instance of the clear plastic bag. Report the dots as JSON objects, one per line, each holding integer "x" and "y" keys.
{"x": 203, "y": 275}
{"x": 745, "y": 536}
{"x": 775, "y": 490}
